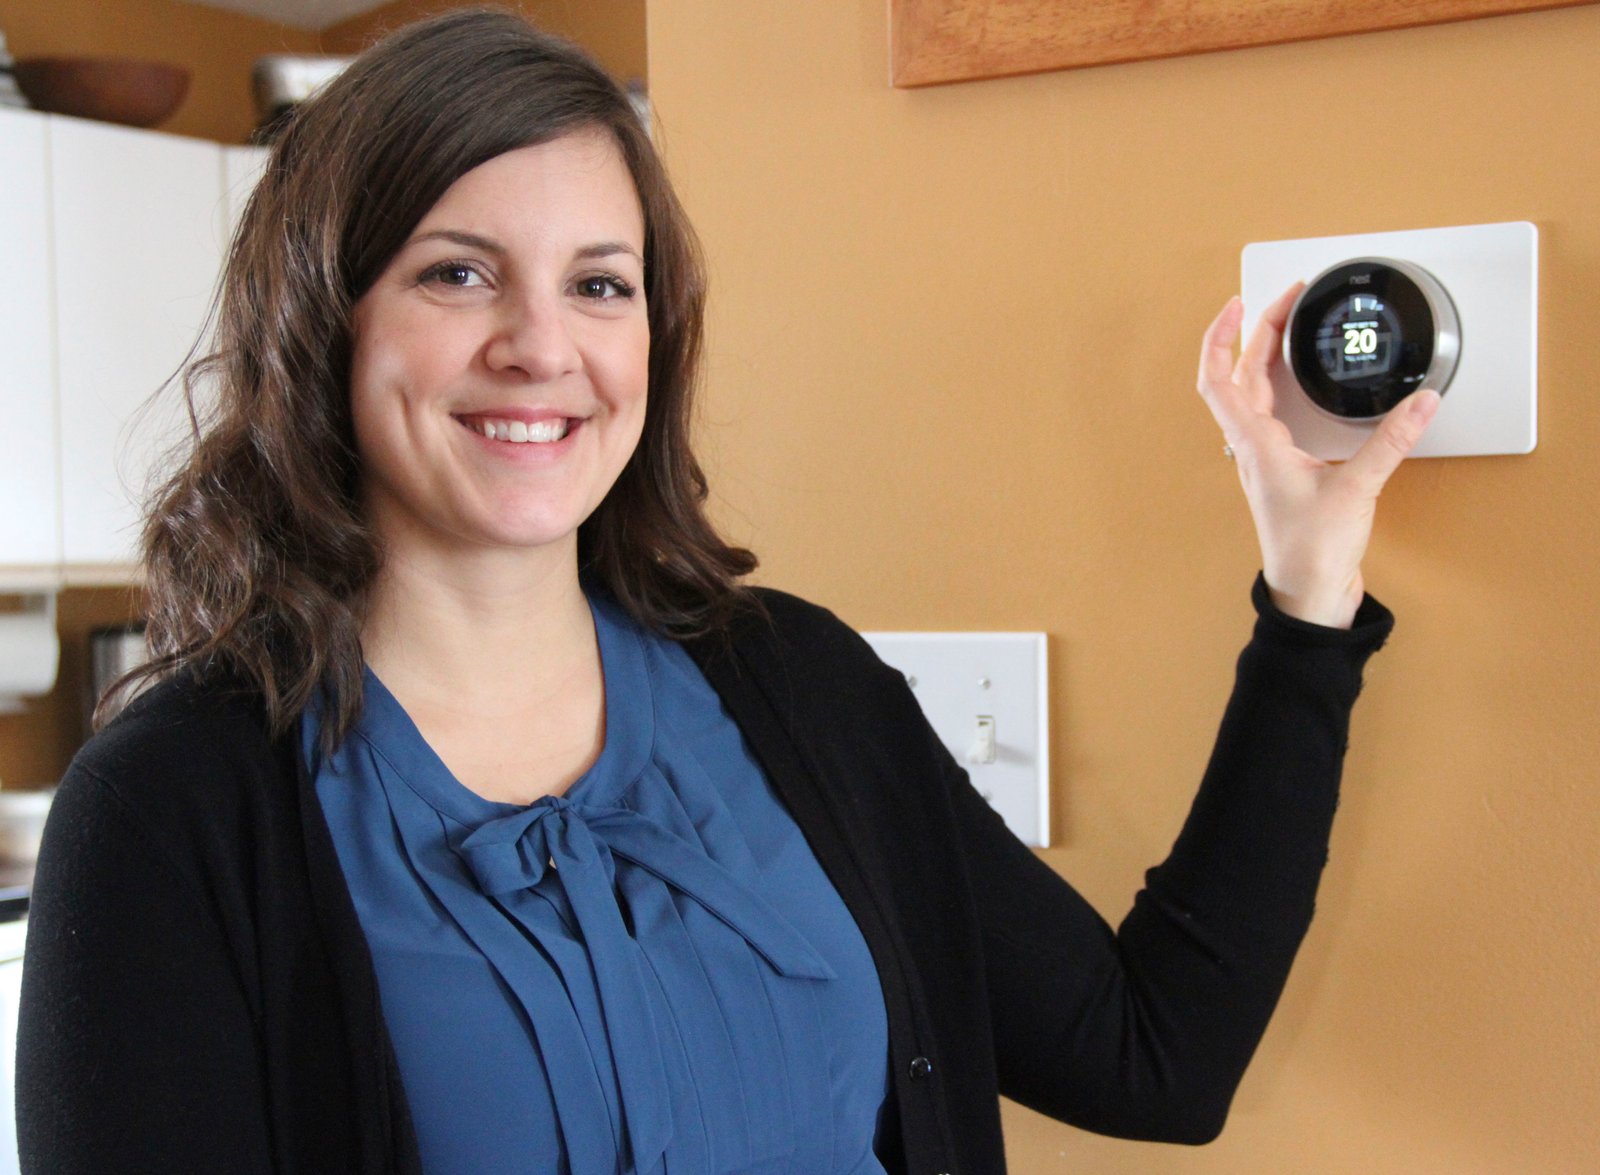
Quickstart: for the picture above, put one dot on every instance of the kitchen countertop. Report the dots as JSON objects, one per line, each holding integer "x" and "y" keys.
{"x": 16, "y": 883}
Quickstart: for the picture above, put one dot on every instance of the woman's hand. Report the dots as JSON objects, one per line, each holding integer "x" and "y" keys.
{"x": 1313, "y": 518}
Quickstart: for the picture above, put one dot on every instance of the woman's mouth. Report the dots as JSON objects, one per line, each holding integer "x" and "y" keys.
{"x": 519, "y": 432}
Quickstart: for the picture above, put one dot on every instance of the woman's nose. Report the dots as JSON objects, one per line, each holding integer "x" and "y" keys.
{"x": 532, "y": 335}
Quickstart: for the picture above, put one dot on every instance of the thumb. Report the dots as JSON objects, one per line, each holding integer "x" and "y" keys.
{"x": 1393, "y": 440}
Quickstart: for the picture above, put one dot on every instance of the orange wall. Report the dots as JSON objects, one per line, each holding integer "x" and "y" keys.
{"x": 951, "y": 359}
{"x": 218, "y": 45}
{"x": 613, "y": 30}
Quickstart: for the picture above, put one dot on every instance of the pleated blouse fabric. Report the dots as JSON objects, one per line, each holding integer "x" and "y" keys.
{"x": 649, "y": 974}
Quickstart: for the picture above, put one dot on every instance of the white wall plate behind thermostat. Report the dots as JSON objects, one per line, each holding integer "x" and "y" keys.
{"x": 1386, "y": 313}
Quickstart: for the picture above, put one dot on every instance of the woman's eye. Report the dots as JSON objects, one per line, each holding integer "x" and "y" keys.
{"x": 604, "y": 287}
{"x": 453, "y": 273}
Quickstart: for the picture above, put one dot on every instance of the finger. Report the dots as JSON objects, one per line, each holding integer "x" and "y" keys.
{"x": 1393, "y": 440}
{"x": 1216, "y": 384}
{"x": 1262, "y": 347}
{"x": 1216, "y": 348}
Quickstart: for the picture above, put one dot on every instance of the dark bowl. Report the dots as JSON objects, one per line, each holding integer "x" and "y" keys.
{"x": 111, "y": 89}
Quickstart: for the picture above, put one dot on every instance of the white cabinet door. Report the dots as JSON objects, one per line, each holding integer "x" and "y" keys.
{"x": 138, "y": 223}
{"x": 241, "y": 170}
{"x": 30, "y": 508}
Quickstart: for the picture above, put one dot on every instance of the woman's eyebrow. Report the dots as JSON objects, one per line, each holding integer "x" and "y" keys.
{"x": 488, "y": 245}
{"x": 608, "y": 249}
{"x": 455, "y": 236}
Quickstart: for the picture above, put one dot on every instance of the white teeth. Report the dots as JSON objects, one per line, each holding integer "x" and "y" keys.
{"x": 520, "y": 432}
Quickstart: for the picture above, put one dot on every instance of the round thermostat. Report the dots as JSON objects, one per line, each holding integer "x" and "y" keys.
{"x": 1366, "y": 333}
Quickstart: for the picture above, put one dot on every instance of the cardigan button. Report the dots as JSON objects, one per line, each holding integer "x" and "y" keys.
{"x": 921, "y": 1068}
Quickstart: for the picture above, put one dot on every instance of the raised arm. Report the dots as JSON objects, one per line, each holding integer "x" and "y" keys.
{"x": 1145, "y": 1032}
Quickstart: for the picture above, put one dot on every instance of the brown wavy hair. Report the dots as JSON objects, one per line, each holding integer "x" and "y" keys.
{"x": 257, "y": 555}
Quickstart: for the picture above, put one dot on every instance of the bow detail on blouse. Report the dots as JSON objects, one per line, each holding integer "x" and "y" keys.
{"x": 581, "y": 844}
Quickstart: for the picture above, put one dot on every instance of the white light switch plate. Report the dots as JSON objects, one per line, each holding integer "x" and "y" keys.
{"x": 1492, "y": 274}
{"x": 962, "y": 677}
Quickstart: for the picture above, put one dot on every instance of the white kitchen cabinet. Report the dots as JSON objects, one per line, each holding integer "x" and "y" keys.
{"x": 30, "y": 520}
{"x": 138, "y": 222}
{"x": 241, "y": 171}
{"x": 113, "y": 240}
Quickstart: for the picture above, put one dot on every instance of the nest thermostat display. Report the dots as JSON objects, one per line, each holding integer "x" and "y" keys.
{"x": 1368, "y": 332}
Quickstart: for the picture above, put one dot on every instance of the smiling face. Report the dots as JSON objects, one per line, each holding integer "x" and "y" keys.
{"x": 500, "y": 363}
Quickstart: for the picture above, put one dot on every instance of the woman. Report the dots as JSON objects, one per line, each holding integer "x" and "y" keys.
{"x": 482, "y": 821}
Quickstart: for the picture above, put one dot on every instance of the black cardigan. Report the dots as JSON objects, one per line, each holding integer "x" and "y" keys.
{"x": 198, "y": 995}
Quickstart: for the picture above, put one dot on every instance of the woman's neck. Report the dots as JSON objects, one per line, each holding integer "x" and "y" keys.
{"x": 494, "y": 656}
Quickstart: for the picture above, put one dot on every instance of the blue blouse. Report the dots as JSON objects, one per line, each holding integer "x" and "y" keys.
{"x": 649, "y": 974}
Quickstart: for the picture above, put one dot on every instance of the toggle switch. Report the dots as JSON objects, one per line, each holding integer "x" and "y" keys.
{"x": 982, "y": 749}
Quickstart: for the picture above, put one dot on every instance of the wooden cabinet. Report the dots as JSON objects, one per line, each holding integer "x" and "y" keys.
{"x": 135, "y": 229}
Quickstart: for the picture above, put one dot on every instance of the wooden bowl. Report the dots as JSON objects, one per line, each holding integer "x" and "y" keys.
{"x": 111, "y": 89}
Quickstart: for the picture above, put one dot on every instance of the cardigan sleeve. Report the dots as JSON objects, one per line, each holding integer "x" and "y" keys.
{"x": 1145, "y": 1032}
{"x": 137, "y": 1049}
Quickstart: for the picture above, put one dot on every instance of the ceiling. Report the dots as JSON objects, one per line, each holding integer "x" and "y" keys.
{"x": 300, "y": 14}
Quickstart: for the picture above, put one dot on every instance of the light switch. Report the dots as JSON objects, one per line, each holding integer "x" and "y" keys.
{"x": 985, "y": 695}
{"x": 982, "y": 749}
